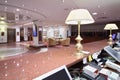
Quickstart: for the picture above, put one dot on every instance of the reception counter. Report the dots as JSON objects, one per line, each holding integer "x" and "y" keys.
{"x": 66, "y": 56}
{"x": 35, "y": 63}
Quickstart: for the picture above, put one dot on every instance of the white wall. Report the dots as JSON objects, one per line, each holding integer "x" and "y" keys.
{"x": 52, "y": 30}
{"x": 63, "y": 32}
{"x": 69, "y": 30}
{"x": 25, "y": 34}
{"x": 3, "y": 29}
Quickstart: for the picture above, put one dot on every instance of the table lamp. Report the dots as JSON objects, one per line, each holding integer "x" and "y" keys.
{"x": 110, "y": 27}
{"x": 77, "y": 17}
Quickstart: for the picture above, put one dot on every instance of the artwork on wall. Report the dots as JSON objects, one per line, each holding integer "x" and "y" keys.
{"x": 17, "y": 33}
{"x": 56, "y": 33}
{"x": 2, "y": 33}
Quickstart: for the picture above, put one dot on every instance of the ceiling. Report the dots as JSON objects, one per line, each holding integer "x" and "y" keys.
{"x": 54, "y": 12}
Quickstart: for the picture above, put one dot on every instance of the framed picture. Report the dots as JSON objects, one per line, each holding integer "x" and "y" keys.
{"x": 56, "y": 33}
{"x": 17, "y": 33}
{"x": 2, "y": 33}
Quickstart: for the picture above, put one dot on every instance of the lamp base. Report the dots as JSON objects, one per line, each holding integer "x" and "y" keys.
{"x": 110, "y": 42}
{"x": 81, "y": 53}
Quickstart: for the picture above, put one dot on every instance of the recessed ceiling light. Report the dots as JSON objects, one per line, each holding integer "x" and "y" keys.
{"x": 17, "y": 9}
{"x": 6, "y": 1}
{"x": 95, "y": 13}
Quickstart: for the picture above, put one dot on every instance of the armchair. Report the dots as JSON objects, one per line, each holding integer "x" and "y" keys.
{"x": 45, "y": 41}
{"x": 65, "y": 42}
{"x": 51, "y": 42}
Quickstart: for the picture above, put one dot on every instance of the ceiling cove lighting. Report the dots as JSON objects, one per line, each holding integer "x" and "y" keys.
{"x": 77, "y": 17}
{"x": 20, "y": 9}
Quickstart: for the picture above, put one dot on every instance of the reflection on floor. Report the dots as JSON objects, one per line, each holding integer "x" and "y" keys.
{"x": 42, "y": 50}
{"x": 6, "y": 52}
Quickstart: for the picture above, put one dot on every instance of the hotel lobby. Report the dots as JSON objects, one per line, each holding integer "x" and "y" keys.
{"x": 39, "y": 37}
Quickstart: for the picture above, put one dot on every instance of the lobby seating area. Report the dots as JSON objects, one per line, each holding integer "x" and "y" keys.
{"x": 51, "y": 42}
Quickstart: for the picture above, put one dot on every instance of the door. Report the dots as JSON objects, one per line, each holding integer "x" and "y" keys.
{"x": 11, "y": 35}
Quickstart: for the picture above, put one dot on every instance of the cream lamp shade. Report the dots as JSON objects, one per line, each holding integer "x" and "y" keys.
{"x": 111, "y": 27}
{"x": 81, "y": 15}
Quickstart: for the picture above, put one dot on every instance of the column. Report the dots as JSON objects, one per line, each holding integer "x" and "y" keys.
{"x": 25, "y": 34}
{"x": 35, "y": 35}
{"x": 17, "y": 34}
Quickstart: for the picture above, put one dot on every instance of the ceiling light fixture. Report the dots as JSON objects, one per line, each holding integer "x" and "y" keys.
{"x": 6, "y": 1}
{"x": 95, "y": 13}
{"x": 17, "y": 9}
